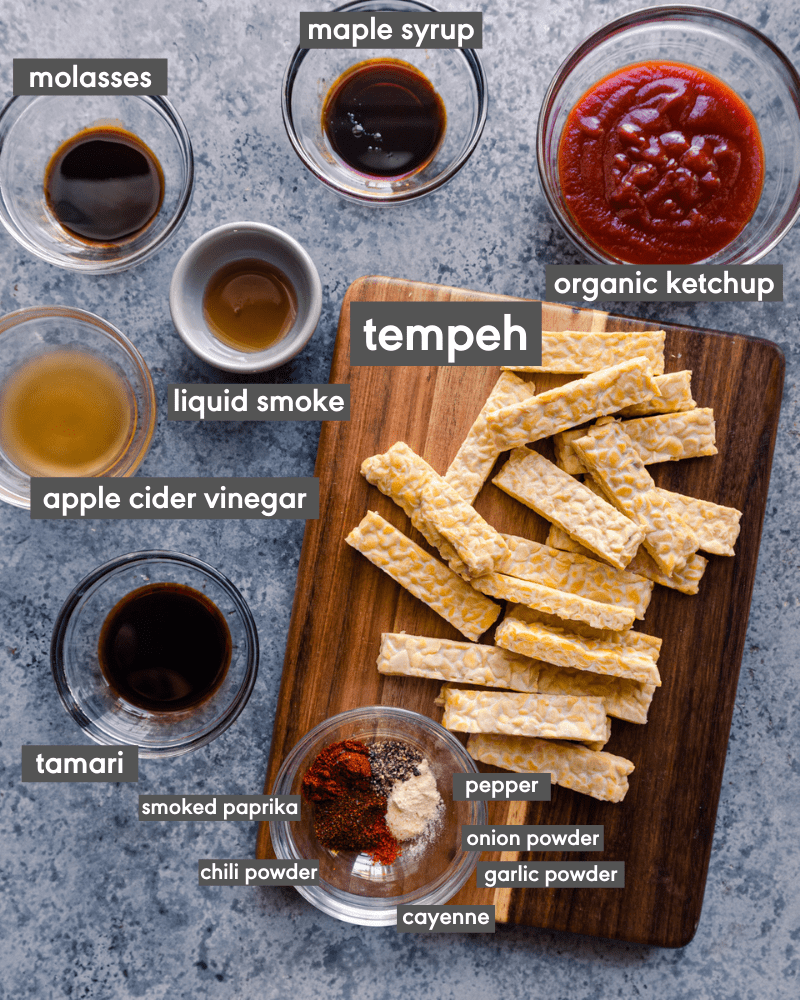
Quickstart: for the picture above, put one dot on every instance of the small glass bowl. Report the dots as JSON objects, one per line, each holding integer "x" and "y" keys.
{"x": 99, "y": 711}
{"x": 32, "y": 129}
{"x": 456, "y": 74}
{"x": 351, "y": 887}
{"x": 31, "y": 333}
{"x": 736, "y": 53}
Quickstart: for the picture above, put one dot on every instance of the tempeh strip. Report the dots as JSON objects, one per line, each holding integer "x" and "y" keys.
{"x": 470, "y": 469}
{"x": 686, "y": 580}
{"x": 555, "y": 716}
{"x": 555, "y": 602}
{"x": 557, "y": 646}
{"x": 530, "y": 478}
{"x": 577, "y": 574}
{"x": 602, "y": 775}
{"x": 462, "y": 536}
{"x": 676, "y": 394}
{"x": 667, "y": 437}
{"x": 580, "y": 351}
{"x": 575, "y": 403}
{"x": 460, "y": 662}
{"x": 607, "y": 451}
{"x": 715, "y": 526}
{"x": 423, "y": 576}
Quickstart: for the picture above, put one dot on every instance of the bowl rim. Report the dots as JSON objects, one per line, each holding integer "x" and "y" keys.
{"x": 70, "y": 703}
{"x": 641, "y": 15}
{"x": 16, "y": 105}
{"x": 19, "y": 317}
{"x": 257, "y": 361}
{"x": 398, "y": 197}
{"x": 350, "y": 908}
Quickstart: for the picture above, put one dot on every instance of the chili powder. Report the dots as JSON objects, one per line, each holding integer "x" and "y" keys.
{"x": 348, "y": 814}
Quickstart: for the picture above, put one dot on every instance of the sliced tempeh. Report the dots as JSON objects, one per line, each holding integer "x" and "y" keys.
{"x": 667, "y": 437}
{"x": 462, "y": 536}
{"x": 555, "y": 716}
{"x": 530, "y": 478}
{"x": 459, "y": 662}
{"x": 558, "y": 646}
{"x": 577, "y": 574}
{"x": 423, "y": 576}
{"x": 624, "y": 698}
{"x": 613, "y": 462}
{"x": 686, "y": 580}
{"x": 676, "y": 394}
{"x": 650, "y": 645}
{"x": 580, "y": 351}
{"x": 575, "y": 403}
{"x": 491, "y": 666}
{"x": 716, "y": 527}
{"x": 477, "y": 543}
{"x": 555, "y": 602}
{"x": 470, "y": 469}
{"x": 602, "y": 775}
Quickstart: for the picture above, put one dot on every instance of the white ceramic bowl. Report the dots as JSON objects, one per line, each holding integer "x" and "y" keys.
{"x": 224, "y": 245}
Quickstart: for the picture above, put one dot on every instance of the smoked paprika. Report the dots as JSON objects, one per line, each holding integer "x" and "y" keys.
{"x": 348, "y": 814}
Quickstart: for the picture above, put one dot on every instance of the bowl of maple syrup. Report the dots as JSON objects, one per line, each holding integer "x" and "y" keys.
{"x": 387, "y": 129}
{"x": 76, "y": 399}
{"x": 93, "y": 183}
{"x": 155, "y": 649}
{"x": 245, "y": 297}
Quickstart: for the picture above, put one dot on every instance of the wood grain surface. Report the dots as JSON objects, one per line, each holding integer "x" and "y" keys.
{"x": 663, "y": 830}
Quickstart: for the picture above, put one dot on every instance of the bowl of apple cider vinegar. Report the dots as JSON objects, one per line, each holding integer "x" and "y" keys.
{"x": 76, "y": 399}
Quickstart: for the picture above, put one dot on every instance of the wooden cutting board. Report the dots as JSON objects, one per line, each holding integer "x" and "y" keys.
{"x": 663, "y": 829}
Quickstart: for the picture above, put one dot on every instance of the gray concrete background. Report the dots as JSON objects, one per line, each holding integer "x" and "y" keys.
{"x": 94, "y": 904}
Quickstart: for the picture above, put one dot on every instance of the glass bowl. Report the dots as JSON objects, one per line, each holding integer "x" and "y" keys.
{"x": 32, "y": 129}
{"x": 86, "y": 694}
{"x": 456, "y": 74}
{"x": 351, "y": 887}
{"x": 731, "y": 50}
{"x": 34, "y": 333}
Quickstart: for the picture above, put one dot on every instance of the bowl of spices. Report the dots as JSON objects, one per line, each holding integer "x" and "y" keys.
{"x": 94, "y": 184}
{"x": 387, "y": 129}
{"x": 672, "y": 136}
{"x": 155, "y": 649}
{"x": 245, "y": 297}
{"x": 378, "y": 813}
{"x": 76, "y": 399}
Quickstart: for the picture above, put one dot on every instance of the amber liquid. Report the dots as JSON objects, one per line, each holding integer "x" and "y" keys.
{"x": 249, "y": 305}
{"x": 384, "y": 119}
{"x": 165, "y": 648}
{"x": 65, "y": 413}
{"x": 104, "y": 185}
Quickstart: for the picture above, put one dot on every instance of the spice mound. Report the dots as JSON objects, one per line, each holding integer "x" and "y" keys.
{"x": 370, "y": 798}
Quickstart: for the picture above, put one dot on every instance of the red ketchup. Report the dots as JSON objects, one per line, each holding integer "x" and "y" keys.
{"x": 661, "y": 163}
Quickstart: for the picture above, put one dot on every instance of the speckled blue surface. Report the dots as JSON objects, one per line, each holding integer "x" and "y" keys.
{"x": 95, "y": 904}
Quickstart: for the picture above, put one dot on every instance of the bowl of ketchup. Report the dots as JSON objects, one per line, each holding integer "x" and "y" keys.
{"x": 672, "y": 136}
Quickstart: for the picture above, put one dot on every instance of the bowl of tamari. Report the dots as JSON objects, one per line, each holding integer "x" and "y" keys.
{"x": 389, "y": 127}
{"x": 76, "y": 399}
{"x": 96, "y": 183}
{"x": 672, "y": 136}
{"x": 155, "y": 649}
{"x": 364, "y": 881}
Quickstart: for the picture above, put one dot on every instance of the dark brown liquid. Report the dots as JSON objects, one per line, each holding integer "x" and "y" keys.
{"x": 104, "y": 185}
{"x": 249, "y": 304}
{"x": 383, "y": 118}
{"x": 165, "y": 647}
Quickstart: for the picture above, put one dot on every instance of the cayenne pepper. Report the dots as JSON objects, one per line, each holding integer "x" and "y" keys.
{"x": 348, "y": 814}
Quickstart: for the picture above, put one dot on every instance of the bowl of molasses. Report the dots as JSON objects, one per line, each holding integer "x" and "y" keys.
{"x": 388, "y": 128}
{"x": 95, "y": 184}
{"x": 155, "y": 649}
